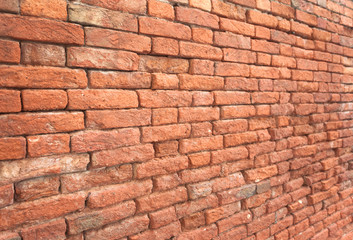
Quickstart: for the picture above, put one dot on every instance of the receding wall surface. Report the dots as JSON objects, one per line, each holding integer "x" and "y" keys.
{"x": 180, "y": 119}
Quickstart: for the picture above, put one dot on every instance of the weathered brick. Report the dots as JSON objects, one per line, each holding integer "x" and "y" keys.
{"x": 37, "y": 77}
{"x": 9, "y": 51}
{"x": 137, "y": 6}
{"x": 43, "y": 8}
{"x": 36, "y": 29}
{"x": 196, "y": 50}
{"x": 59, "y": 205}
{"x": 86, "y": 141}
{"x": 108, "y": 158}
{"x": 195, "y": 16}
{"x": 102, "y": 58}
{"x": 31, "y": 189}
{"x": 164, "y": 28}
{"x": 120, "y": 229}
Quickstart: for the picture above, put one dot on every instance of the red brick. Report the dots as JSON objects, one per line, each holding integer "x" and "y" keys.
{"x": 166, "y": 148}
{"x": 199, "y": 114}
{"x": 52, "y": 230}
{"x": 37, "y": 123}
{"x": 165, "y": 182}
{"x": 23, "y": 169}
{"x": 89, "y": 15}
{"x": 195, "y": 16}
{"x": 159, "y": 27}
{"x": 98, "y": 99}
{"x": 236, "y": 194}
{"x": 226, "y": 39}
{"x": 196, "y": 50}
{"x": 264, "y": 72}
{"x": 228, "y": 10}
{"x": 321, "y": 35}
{"x": 48, "y": 144}
{"x": 202, "y": 67}
{"x": 202, "y": 98}
{"x": 164, "y": 116}
{"x": 199, "y": 190}
{"x": 10, "y": 6}
{"x": 234, "y": 220}
{"x": 102, "y": 58}
{"x": 237, "y": 27}
{"x": 161, "y": 166}
{"x": 207, "y": 232}
{"x": 162, "y": 217}
{"x": 10, "y": 51}
{"x": 80, "y": 222}
{"x": 230, "y": 126}
{"x": 165, "y": 46}
{"x": 160, "y": 200}
{"x": 37, "y": 77}
{"x": 36, "y": 29}
{"x": 163, "y": 64}
{"x": 164, "y": 98}
{"x": 229, "y": 154}
{"x": 37, "y": 100}
{"x": 58, "y": 205}
{"x": 202, "y": 35}
{"x": 261, "y": 223}
{"x": 118, "y": 193}
{"x": 242, "y": 56}
{"x": 262, "y": 19}
{"x": 238, "y": 83}
{"x": 200, "y": 174}
{"x": 191, "y": 207}
{"x": 6, "y": 195}
{"x": 43, "y": 8}
{"x": 201, "y": 144}
{"x": 191, "y": 82}
{"x": 163, "y": 133}
{"x": 264, "y": 46}
{"x": 231, "y": 69}
{"x": 94, "y": 178}
{"x": 107, "y": 158}
{"x": 118, "y": 118}
{"x": 99, "y": 37}
{"x": 281, "y": 61}
{"x": 164, "y": 81}
{"x": 250, "y": 3}
{"x": 37, "y": 188}
{"x": 260, "y": 174}
{"x": 120, "y": 229}
{"x": 43, "y": 54}
{"x": 165, "y": 232}
{"x": 257, "y": 200}
{"x": 86, "y": 141}
{"x": 160, "y": 9}
{"x": 241, "y": 111}
{"x": 213, "y": 215}
{"x": 282, "y": 10}
{"x": 8, "y": 235}
{"x": 10, "y": 101}
{"x": 137, "y": 6}
{"x": 301, "y": 29}
{"x": 201, "y": 4}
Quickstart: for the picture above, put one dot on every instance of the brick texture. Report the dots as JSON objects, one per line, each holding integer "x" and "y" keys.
{"x": 176, "y": 119}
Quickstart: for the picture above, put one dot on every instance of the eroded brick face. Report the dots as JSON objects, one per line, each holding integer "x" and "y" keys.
{"x": 176, "y": 119}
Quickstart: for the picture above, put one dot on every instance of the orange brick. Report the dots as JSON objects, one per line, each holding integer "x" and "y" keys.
{"x": 164, "y": 28}
{"x": 44, "y": 8}
{"x": 160, "y": 9}
{"x": 9, "y": 52}
{"x": 202, "y": 35}
{"x": 198, "y": 17}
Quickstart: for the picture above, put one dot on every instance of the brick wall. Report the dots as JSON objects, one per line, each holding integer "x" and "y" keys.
{"x": 199, "y": 119}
